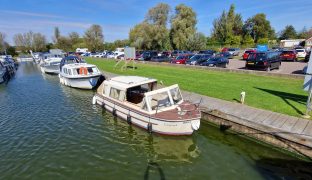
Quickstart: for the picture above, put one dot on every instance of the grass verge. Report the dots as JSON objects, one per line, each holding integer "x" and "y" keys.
{"x": 283, "y": 95}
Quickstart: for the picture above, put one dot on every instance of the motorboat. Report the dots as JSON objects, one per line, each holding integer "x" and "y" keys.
{"x": 138, "y": 101}
{"x": 9, "y": 64}
{"x": 50, "y": 64}
{"x": 3, "y": 73}
{"x": 81, "y": 75}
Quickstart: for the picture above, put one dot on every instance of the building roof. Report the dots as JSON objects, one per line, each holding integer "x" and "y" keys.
{"x": 125, "y": 82}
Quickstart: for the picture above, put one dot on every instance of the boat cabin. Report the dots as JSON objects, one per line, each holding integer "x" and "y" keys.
{"x": 142, "y": 93}
{"x": 80, "y": 69}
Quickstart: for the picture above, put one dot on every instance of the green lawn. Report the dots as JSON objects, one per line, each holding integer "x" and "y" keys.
{"x": 277, "y": 94}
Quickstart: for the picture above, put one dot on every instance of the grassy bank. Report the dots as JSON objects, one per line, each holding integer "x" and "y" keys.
{"x": 272, "y": 93}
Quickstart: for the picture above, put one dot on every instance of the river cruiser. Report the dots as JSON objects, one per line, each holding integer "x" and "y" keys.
{"x": 50, "y": 63}
{"x": 3, "y": 72}
{"x": 138, "y": 101}
{"x": 81, "y": 75}
{"x": 9, "y": 64}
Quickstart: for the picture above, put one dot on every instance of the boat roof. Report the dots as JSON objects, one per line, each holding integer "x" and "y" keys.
{"x": 78, "y": 65}
{"x": 125, "y": 82}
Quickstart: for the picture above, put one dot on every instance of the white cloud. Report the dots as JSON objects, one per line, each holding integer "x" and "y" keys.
{"x": 23, "y": 13}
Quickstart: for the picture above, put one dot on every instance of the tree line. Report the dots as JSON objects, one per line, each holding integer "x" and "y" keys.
{"x": 161, "y": 30}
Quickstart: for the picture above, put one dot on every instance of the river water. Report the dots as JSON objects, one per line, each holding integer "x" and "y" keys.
{"x": 49, "y": 131}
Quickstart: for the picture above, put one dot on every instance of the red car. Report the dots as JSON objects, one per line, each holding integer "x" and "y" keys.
{"x": 288, "y": 56}
{"x": 225, "y": 49}
{"x": 246, "y": 54}
{"x": 181, "y": 59}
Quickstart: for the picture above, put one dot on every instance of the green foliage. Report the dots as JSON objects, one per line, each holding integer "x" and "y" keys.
{"x": 248, "y": 40}
{"x": 152, "y": 32}
{"x": 196, "y": 42}
{"x": 94, "y": 38}
{"x": 2, "y": 42}
{"x": 305, "y": 34}
{"x": 263, "y": 41}
{"x": 182, "y": 26}
{"x": 259, "y": 27}
{"x": 227, "y": 29}
{"x": 11, "y": 51}
{"x": 288, "y": 33}
{"x": 57, "y": 34}
{"x": 158, "y": 15}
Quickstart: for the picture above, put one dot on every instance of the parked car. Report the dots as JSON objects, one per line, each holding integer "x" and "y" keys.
{"x": 109, "y": 55}
{"x": 166, "y": 53}
{"x": 160, "y": 59}
{"x": 307, "y": 58}
{"x": 118, "y": 54}
{"x": 197, "y": 59}
{"x": 234, "y": 51}
{"x": 182, "y": 59}
{"x": 99, "y": 55}
{"x": 212, "y": 52}
{"x": 247, "y": 52}
{"x": 288, "y": 55}
{"x": 176, "y": 53}
{"x": 225, "y": 49}
{"x": 225, "y": 54}
{"x": 301, "y": 53}
{"x": 216, "y": 61}
{"x": 263, "y": 60}
{"x": 121, "y": 56}
{"x": 147, "y": 55}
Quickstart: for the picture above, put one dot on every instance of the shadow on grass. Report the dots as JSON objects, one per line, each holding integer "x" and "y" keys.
{"x": 287, "y": 97}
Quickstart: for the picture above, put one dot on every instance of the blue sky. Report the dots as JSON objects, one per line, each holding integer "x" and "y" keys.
{"x": 117, "y": 16}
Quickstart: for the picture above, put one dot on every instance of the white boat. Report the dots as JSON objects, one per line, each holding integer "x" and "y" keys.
{"x": 138, "y": 101}
{"x": 80, "y": 75}
{"x": 50, "y": 63}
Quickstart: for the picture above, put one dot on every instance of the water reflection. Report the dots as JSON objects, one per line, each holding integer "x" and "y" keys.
{"x": 156, "y": 147}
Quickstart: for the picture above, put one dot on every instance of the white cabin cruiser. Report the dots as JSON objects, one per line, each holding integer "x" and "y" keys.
{"x": 138, "y": 101}
{"x": 50, "y": 64}
{"x": 81, "y": 75}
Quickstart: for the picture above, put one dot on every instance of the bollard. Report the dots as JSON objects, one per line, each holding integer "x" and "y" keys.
{"x": 242, "y": 97}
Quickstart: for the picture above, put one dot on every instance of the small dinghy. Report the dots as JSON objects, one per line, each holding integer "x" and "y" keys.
{"x": 81, "y": 75}
{"x": 138, "y": 101}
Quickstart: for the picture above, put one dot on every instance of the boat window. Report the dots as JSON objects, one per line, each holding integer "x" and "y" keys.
{"x": 160, "y": 101}
{"x": 176, "y": 95}
{"x": 95, "y": 70}
{"x": 65, "y": 70}
{"x": 69, "y": 72}
{"x": 117, "y": 94}
{"x": 90, "y": 71}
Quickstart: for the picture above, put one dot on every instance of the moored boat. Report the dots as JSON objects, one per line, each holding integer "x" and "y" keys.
{"x": 138, "y": 101}
{"x": 81, "y": 75}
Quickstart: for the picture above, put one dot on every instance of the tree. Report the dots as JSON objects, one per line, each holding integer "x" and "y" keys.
{"x": 94, "y": 38}
{"x": 74, "y": 37}
{"x": 182, "y": 26}
{"x": 64, "y": 43}
{"x": 259, "y": 27}
{"x": 196, "y": 42}
{"x": 158, "y": 15}
{"x": 228, "y": 27}
{"x": 3, "y": 43}
{"x": 11, "y": 51}
{"x": 39, "y": 42}
{"x": 57, "y": 34}
{"x": 288, "y": 33}
{"x": 152, "y": 33}
{"x": 305, "y": 34}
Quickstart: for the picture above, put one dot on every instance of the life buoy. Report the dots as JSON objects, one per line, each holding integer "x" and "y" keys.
{"x": 83, "y": 70}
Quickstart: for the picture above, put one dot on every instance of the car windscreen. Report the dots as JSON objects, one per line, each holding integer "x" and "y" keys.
{"x": 287, "y": 52}
{"x": 257, "y": 56}
{"x": 196, "y": 57}
{"x": 249, "y": 51}
{"x": 180, "y": 57}
{"x": 300, "y": 50}
{"x": 231, "y": 49}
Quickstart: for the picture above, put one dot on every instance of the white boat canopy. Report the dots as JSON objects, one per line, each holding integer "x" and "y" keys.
{"x": 126, "y": 82}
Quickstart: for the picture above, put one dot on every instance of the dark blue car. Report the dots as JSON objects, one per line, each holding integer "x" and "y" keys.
{"x": 216, "y": 61}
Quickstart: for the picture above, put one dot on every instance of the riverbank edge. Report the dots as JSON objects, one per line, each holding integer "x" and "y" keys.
{"x": 287, "y": 141}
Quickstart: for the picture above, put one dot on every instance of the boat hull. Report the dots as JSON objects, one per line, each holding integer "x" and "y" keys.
{"x": 51, "y": 69}
{"x": 81, "y": 83}
{"x": 148, "y": 122}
